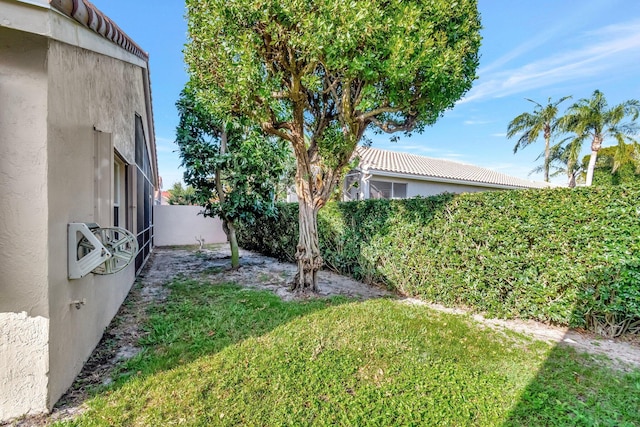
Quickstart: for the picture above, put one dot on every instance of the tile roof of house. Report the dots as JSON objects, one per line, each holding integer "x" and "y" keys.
{"x": 84, "y": 12}
{"x": 374, "y": 159}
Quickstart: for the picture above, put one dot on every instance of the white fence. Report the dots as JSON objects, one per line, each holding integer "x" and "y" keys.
{"x": 182, "y": 225}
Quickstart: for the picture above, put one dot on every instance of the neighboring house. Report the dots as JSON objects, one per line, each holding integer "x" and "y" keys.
{"x": 77, "y": 144}
{"x": 165, "y": 195}
{"x": 383, "y": 174}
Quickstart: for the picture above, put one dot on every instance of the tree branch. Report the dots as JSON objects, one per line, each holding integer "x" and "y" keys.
{"x": 381, "y": 110}
{"x": 391, "y": 126}
{"x": 278, "y": 131}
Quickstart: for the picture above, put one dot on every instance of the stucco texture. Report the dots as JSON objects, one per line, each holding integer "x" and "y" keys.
{"x": 24, "y": 310}
{"x": 23, "y": 172}
{"x": 88, "y": 93}
{"x": 23, "y": 364}
{"x": 55, "y": 98}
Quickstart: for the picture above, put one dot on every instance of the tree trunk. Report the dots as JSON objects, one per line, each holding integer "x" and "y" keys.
{"x": 596, "y": 144}
{"x": 547, "y": 158}
{"x": 591, "y": 167}
{"x": 233, "y": 242}
{"x": 308, "y": 254}
{"x": 227, "y": 225}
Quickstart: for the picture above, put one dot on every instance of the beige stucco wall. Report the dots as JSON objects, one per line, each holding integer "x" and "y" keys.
{"x": 87, "y": 91}
{"x": 23, "y": 364}
{"x": 24, "y": 310}
{"x": 58, "y": 83}
{"x": 424, "y": 188}
{"x": 181, "y": 225}
{"x": 431, "y": 188}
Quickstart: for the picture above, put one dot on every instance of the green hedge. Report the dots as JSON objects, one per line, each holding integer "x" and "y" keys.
{"x": 565, "y": 256}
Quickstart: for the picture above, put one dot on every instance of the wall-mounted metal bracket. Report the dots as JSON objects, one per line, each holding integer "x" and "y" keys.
{"x": 97, "y": 250}
{"x": 85, "y": 251}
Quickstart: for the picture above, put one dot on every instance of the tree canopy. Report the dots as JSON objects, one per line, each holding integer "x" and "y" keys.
{"x": 319, "y": 73}
{"x": 179, "y": 195}
{"x": 233, "y": 167}
{"x": 544, "y": 119}
{"x": 593, "y": 119}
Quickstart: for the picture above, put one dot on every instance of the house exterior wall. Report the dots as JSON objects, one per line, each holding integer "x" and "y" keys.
{"x": 415, "y": 187}
{"x": 88, "y": 93}
{"x": 181, "y": 225}
{"x": 64, "y": 92}
{"x": 431, "y": 188}
{"x": 24, "y": 310}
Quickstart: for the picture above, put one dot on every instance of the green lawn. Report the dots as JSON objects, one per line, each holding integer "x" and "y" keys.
{"x": 224, "y": 355}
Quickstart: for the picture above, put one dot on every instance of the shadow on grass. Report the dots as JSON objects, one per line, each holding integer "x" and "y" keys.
{"x": 201, "y": 319}
{"x": 226, "y": 355}
{"x": 570, "y": 388}
{"x": 576, "y": 389}
{"x": 604, "y": 391}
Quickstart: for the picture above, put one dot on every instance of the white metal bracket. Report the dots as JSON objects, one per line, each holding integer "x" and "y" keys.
{"x": 81, "y": 260}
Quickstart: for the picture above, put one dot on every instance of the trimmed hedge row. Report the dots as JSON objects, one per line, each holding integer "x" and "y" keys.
{"x": 565, "y": 256}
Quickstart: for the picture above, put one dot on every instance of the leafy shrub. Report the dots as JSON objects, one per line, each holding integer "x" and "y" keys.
{"x": 628, "y": 171}
{"x": 565, "y": 256}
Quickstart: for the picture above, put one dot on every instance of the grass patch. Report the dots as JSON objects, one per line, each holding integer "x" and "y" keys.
{"x": 223, "y": 355}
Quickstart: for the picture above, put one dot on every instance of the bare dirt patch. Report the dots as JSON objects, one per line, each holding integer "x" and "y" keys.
{"x": 260, "y": 272}
{"x": 622, "y": 353}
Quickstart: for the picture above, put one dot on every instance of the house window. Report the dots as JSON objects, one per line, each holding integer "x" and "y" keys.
{"x": 103, "y": 169}
{"x": 119, "y": 192}
{"x": 351, "y": 189}
{"x": 387, "y": 190}
{"x": 144, "y": 196}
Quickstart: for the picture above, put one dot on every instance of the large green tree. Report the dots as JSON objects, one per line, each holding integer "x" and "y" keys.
{"x": 529, "y": 126}
{"x": 233, "y": 168}
{"x": 318, "y": 74}
{"x": 179, "y": 195}
{"x": 591, "y": 118}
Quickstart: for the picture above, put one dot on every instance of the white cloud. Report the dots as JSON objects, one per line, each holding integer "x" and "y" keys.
{"x": 408, "y": 148}
{"x": 499, "y": 135}
{"x": 476, "y": 122}
{"x": 604, "y": 50}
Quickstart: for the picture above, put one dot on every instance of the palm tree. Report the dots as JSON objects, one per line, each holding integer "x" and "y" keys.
{"x": 591, "y": 118}
{"x": 563, "y": 160}
{"x": 529, "y": 125}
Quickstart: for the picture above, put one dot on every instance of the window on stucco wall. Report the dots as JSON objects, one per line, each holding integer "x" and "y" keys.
{"x": 120, "y": 193}
{"x": 387, "y": 190}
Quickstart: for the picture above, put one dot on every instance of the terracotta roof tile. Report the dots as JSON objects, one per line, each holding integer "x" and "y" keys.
{"x": 84, "y": 12}
{"x": 375, "y": 159}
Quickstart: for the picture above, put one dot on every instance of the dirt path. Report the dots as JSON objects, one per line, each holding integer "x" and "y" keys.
{"x": 260, "y": 272}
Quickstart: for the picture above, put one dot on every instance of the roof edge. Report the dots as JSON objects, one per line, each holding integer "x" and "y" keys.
{"x": 432, "y": 178}
{"x": 85, "y": 13}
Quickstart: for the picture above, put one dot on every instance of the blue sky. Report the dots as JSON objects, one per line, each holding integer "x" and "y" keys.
{"x": 531, "y": 49}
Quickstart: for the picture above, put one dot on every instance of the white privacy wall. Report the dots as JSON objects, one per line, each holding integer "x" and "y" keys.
{"x": 176, "y": 225}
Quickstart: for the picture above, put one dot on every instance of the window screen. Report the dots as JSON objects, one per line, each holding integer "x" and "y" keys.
{"x": 387, "y": 190}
